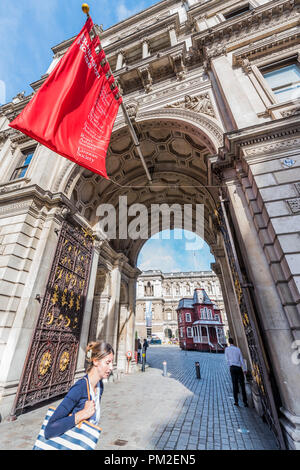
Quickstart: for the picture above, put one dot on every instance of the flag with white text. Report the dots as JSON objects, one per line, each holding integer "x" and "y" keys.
{"x": 74, "y": 111}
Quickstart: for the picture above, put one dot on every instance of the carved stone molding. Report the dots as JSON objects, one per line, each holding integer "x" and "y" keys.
{"x": 132, "y": 109}
{"x": 146, "y": 78}
{"x": 273, "y": 147}
{"x": 8, "y": 188}
{"x": 198, "y": 104}
{"x": 294, "y": 205}
{"x": 178, "y": 64}
{"x": 291, "y": 112}
{"x": 189, "y": 118}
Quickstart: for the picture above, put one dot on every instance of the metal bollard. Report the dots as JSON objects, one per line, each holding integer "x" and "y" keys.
{"x": 143, "y": 362}
{"x": 165, "y": 369}
{"x": 197, "y": 366}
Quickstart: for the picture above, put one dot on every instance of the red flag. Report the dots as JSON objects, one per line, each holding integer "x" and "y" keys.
{"x": 74, "y": 111}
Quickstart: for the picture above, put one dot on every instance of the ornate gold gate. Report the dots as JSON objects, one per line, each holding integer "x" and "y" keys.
{"x": 51, "y": 360}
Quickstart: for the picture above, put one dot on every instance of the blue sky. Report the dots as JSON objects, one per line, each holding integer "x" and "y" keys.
{"x": 190, "y": 253}
{"x": 29, "y": 28}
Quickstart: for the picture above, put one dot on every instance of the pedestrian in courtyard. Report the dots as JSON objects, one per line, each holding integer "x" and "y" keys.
{"x": 139, "y": 350}
{"x": 145, "y": 347}
{"x": 237, "y": 366}
{"x": 76, "y": 406}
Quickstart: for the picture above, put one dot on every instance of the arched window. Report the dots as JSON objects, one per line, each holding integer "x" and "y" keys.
{"x": 148, "y": 288}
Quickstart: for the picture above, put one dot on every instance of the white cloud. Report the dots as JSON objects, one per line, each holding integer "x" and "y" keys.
{"x": 124, "y": 12}
{"x": 2, "y": 92}
{"x": 155, "y": 256}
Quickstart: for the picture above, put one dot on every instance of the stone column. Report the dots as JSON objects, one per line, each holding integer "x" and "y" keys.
{"x": 145, "y": 48}
{"x": 272, "y": 317}
{"x": 120, "y": 60}
{"x": 173, "y": 36}
{"x": 84, "y": 337}
{"x": 126, "y": 333}
{"x": 232, "y": 306}
{"x": 114, "y": 305}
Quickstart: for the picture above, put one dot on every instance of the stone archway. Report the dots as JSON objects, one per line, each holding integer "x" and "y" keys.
{"x": 179, "y": 151}
{"x": 179, "y": 147}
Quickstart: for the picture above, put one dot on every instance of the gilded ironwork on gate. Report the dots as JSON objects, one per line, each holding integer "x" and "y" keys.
{"x": 260, "y": 368}
{"x": 51, "y": 360}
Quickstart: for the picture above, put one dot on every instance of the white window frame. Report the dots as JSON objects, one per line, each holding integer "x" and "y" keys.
{"x": 265, "y": 87}
{"x": 189, "y": 332}
{"x": 188, "y": 317}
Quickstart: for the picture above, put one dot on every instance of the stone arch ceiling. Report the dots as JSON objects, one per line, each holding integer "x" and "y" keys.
{"x": 178, "y": 163}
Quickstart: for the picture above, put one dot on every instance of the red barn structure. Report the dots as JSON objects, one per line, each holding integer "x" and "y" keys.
{"x": 200, "y": 324}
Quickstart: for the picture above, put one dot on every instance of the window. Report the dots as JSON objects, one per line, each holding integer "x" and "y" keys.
{"x": 189, "y": 332}
{"x": 188, "y": 317}
{"x": 23, "y": 164}
{"x": 284, "y": 79}
{"x": 237, "y": 12}
{"x": 217, "y": 317}
{"x": 209, "y": 313}
{"x": 179, "y": 318}
{"x": 181, "y": 332}
{"x": 148, "y": 289}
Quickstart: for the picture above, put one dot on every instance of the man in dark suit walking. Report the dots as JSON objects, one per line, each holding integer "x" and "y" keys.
{"x": 235, "y": 361}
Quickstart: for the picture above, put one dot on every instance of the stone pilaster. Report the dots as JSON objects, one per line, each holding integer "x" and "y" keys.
{"x": 276, "y": 330}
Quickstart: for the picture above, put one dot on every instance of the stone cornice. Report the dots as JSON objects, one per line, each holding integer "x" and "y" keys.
{"x": 269, "y": 45}
{"x": 271, "y": 137}
{"x": 16, "y": 137}
{"x": 11, "y": 110}
{"x": 151, "y": 61}
{"x": 231, "y": 35}
{"x": 37, "y": 84}
{"x": 147, "y": 33}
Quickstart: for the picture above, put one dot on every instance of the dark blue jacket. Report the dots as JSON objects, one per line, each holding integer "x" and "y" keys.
{"x": 63, "y": 417}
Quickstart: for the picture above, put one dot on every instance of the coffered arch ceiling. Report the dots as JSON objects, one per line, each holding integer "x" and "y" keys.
{"x": 177, "y": 157}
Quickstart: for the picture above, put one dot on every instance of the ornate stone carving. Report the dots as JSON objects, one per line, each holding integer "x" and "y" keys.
{"x": 291, "y": 112}
{"x": 198, "y": 104}
{"x": 146, "y": 78}
{"x": 6, "y": 189}
{"x": 297, "y": 185}
{"x": 179, "y": 67}
{"x": 294, "y": 205}
{"x": 132, "y": 109}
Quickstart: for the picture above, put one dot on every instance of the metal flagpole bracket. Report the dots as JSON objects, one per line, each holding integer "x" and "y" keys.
{"x": 86, "y": 9}
{"x": 135, "y": 140}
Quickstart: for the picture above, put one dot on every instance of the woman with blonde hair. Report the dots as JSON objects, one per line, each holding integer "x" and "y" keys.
{"x": 76, "y": 406}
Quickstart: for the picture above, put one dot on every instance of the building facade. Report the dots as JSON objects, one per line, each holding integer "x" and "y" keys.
{"x": 200, "y": 324}
{"x": 212, "y": 88}
{"x": 157, "y": 300}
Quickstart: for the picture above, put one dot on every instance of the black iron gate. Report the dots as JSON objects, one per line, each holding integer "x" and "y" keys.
{"x": 261, "y": 369}
{"x": 51, "y": 360}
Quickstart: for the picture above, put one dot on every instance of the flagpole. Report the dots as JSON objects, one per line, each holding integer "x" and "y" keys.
{"x": 85, "y": 8}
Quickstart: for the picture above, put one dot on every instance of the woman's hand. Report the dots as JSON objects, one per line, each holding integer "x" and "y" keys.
{"x": 88, "y": 411}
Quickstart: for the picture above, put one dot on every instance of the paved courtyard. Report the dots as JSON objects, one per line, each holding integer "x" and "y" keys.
{"x": 146, "y": 410}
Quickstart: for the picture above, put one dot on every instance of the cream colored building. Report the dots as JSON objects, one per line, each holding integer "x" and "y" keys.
{"x": 212, "y": 88}
{"x": 161, "y": 292}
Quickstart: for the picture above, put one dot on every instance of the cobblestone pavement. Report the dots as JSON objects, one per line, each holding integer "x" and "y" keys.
{"x": 146, "y": 410}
